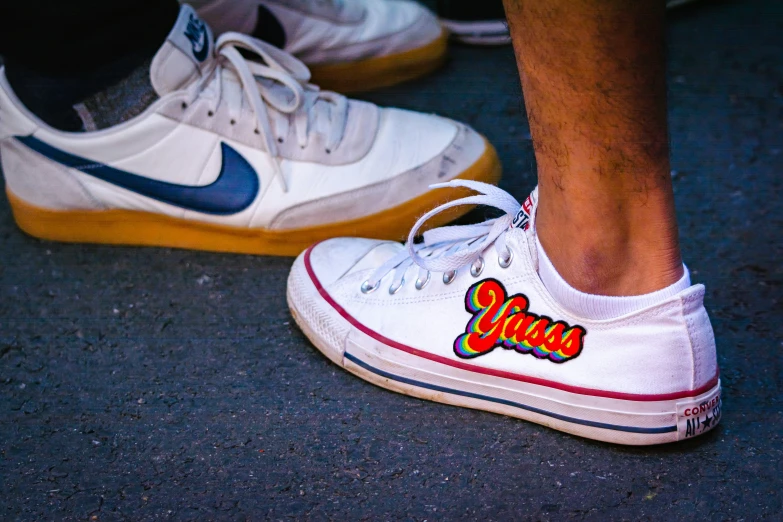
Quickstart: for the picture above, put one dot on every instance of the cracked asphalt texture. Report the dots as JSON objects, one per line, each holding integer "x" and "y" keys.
{"x": 141, "y": 384}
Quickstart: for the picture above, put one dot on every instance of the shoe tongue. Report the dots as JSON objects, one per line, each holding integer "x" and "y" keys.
{"x": 526, "y": 215}
{"x": 187, "y": 52}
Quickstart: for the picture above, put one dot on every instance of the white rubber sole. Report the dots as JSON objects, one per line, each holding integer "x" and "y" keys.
{"x": 482, "y": 32}
{"x": 605, "y": 416}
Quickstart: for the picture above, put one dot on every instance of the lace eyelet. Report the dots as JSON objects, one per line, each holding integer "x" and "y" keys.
{"x": 280, "y": 140}
{"x": 328, "y": 151}
{"x": 421, "y": 284}
{"x": 477, "y": 267}
{"x": 367, "y": 288}
{"x": 184, "y": 106}
{"x": 449, "y": 276}
{"x": 505, "y": 262}
{"x": 394, "y": 289}
{"x": 256, "y": 131}
{"x": 210, "y": 113}
{"x": 233, "y": 122}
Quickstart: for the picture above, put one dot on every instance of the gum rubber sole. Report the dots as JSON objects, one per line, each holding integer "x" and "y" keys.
{"x": 128, "y": 227}
{"x": 383, "y": 71}
{"x": 595, "y": 414}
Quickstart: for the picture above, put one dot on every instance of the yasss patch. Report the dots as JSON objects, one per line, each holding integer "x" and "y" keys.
{"x": 502, "y": 321}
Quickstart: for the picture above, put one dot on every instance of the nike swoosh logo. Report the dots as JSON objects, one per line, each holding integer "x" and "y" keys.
{"x": 200, "y": 48}
{"x": 235, "y": 188}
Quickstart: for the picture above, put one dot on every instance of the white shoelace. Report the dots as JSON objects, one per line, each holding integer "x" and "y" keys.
{"x": 280, "y": 82}
{"x": 449, "y": 248}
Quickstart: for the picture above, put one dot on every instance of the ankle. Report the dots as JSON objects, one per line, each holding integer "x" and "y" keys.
{"x": 610, "y": 240}
{"x": 596, "y": 269}
{"x": 611, "y": 263}
{"x": 599, "y": 306}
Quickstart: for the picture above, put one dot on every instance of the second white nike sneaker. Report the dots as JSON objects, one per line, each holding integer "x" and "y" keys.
{"x": 349, "y": 45}
{"x": 463, "y": 318}
{"x": 236, "y": 156}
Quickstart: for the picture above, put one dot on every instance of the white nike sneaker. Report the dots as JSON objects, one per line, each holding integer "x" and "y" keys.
{"x": 349, "y": 45}
{"x": 235, "y": 156}
{"x": 464, "y": 319}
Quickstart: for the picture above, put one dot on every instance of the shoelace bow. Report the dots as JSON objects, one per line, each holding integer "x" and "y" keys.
{"x": 281, "y": 82}
{"x": 449, "y": 248}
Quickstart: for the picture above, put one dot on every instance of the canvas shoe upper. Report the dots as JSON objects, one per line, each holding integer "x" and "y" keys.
{"x": 247, "y": 145}
{"x": 350, "y": 45}
{"x": 463, "y": 318}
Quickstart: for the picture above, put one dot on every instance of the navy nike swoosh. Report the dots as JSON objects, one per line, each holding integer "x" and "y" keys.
{"x": 235, "y": 188}
{"x": 201, "y": 53}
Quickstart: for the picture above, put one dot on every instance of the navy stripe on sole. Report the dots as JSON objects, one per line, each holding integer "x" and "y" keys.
{"x": 573, "y": 420}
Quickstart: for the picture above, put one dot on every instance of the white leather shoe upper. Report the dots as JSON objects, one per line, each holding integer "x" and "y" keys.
{"x": 332, "y": 31}
{"x": 386, "y": 27}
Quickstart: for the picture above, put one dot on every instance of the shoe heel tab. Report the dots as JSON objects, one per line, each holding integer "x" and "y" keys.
{"x": 700, "y": 335}
{"x": 692, "y": 298}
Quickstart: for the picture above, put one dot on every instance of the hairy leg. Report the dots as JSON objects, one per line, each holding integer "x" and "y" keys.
{"x": 593, "y": 76}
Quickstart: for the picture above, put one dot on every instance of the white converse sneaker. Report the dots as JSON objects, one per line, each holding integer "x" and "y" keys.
{"x": 349, "y": 45}
{"x": 235, "y": 156}
{"x": 464, "y": 319}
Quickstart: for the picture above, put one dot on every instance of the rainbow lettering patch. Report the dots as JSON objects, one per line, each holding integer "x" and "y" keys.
{"x": 500, "y": 321}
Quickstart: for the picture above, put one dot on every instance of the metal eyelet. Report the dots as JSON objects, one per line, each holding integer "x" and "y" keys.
{"x": 505, "y": 262}
{"x": 449, "y": 276}
{"x": 477, "y": 267}
{"x": 421, "y": 284}
{"x": 394, "y": 289}
{"x": 367, "y": 288}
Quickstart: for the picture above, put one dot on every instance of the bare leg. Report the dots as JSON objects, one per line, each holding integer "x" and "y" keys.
{"x": 593, "y": 75}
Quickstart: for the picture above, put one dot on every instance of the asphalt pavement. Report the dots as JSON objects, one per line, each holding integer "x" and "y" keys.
{"x": 141, "y": 383}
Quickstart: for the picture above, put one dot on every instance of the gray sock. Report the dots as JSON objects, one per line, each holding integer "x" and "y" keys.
{"x": 120, "y": 102}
